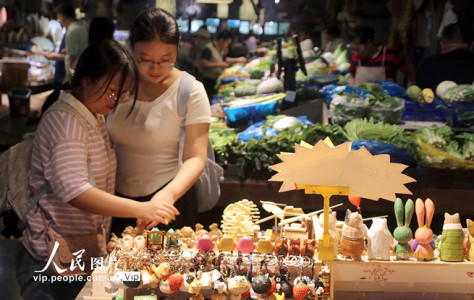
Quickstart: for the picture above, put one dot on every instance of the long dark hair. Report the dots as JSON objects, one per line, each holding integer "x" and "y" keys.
{"x": 154, "y": 23}
{"x": 102, "y": 58}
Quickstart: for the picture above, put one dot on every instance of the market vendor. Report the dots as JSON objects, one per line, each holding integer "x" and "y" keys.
{"x": 214, "y": 60}
{"x": 373, "y": 62}
{"x": 454, "y": 63}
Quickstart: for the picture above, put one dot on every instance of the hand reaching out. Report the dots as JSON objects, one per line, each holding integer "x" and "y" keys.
{"x": 156, "y": 211}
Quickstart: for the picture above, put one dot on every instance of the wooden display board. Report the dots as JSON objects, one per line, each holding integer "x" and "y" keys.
{"x": 401, "y": 280}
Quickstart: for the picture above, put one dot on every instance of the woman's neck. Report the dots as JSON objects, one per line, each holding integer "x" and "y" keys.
{"x": 149, "y": 91}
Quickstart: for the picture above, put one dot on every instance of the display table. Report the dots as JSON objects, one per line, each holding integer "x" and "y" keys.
{"x": 401, "y": 280}
{"x": 354, "y": 280}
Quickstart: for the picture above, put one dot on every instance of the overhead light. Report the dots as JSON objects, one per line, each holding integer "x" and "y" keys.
{"x": 277, "y": 1}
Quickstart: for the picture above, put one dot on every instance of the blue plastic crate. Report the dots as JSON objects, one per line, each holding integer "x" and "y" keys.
{"x": 459, "y": 114}
{"x": 231, "y": 79}
{"x": 428, "y": 112}
{"x": 251, "y": 113}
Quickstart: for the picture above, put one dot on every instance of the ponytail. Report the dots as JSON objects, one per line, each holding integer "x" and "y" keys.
{"x": 54, "y": 96}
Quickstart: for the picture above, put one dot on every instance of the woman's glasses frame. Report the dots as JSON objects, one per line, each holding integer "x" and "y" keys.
{"x": 149, "y": 64}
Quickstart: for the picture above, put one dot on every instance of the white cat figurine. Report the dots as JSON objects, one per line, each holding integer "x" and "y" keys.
{"x": 318, "y": 224}
{"x": 380, "y": 240}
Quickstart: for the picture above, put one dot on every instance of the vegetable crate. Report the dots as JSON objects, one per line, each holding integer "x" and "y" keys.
{"x": 428, "y": 112}
{"x": 459, "y": 114}
{"x": 250, "y": 113}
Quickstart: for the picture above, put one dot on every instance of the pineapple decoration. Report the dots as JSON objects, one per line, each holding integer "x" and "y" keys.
{"x": 239, "y": 219}
{"x": 330, "y": 170}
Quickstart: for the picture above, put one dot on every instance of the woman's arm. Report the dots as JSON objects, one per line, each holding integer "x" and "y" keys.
{"x": 96, "y": 201}
{"x": 194, "y": 161}
{"x": 210, "y": 64}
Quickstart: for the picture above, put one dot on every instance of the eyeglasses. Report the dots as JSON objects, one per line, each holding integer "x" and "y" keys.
{"x": 145, "y": 63}
{"x": 112, "y": 97}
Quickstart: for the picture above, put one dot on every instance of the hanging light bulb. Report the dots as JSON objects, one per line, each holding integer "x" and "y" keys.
{"x": 277, "y": 1}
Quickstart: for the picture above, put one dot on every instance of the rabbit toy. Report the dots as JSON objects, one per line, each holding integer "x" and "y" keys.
{"x": 403, "y": 233}
{"x": 424, "y": 234}
{"x": 470, "y": 241}
{"x": 451, "y": 244}
{"x": 380, "y": 240}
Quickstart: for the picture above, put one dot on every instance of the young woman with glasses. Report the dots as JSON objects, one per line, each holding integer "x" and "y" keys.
{"x": 147, "y": 141}
{"x": 73, "y": 159}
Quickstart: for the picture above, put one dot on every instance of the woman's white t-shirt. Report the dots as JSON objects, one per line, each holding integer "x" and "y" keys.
{"x": 146, "y": 142}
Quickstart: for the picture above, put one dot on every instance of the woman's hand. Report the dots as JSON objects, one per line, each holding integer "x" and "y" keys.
{"x": 164, "y": 196}
{"x": 153, "y": 212}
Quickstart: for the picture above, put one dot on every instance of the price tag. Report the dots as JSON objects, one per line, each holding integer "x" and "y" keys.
{"x": 290, "y": 96}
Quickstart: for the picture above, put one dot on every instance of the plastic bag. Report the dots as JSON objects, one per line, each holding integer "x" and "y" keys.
{"x": 342, "y": 109}
{"x": 397, "y": 155}
{"x": 392, "y": 88}
{"x": 436, "y": 158}
{"x": 251, "y": 113}
{"x": 387, "y": 113}
{"x": 256, "y": 130}
{"x": 329, "y": 90}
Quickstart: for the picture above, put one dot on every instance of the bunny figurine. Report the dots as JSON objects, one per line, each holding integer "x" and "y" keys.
{"x": 470, "y": 241}
{"x": 403, "y": 233}
{"x": 353, "y": 236}
{"x": 424, "y": 234}
{"x": 380, "y": 240}
{"x": 451, "y": 244}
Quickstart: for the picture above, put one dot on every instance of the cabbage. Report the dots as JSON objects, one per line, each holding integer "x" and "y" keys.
{"x": 285, "y": 123}
{"x": 271, "y": 85}
{"x": 443, "y": 87}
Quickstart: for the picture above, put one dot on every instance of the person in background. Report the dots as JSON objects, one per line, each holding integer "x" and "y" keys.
{"x": 59, "y": 64}
{"x": 214, "y": 60}
{"x": 372, "y": 62}
{"x": 455, "y": 62}
{"x": 101, "y": 28}
{"x": 79, "y": 166}
{"x": 332, "y": 35}
{"x": 76, "y": 36}
{"x": 251, "y": 44}
{"x": 149, "y": 165}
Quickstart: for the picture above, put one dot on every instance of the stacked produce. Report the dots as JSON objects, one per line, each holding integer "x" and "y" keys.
{"x": 349, "y": 103}
{"x": 338, "y": 58}
{"x": 442, "y": 148}
{"x": 437, "y": 147}
{"x": 455, "y": 100}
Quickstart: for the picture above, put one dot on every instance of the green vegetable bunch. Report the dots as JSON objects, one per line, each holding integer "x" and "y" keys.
{"x": 459, "y": 145}
{"x": 255, "y": 156}
{"x": 359, "y": 129}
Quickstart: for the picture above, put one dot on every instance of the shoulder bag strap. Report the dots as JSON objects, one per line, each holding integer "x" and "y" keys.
{"x": 184, "y": 91}
{"x": 67, "y": 108}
